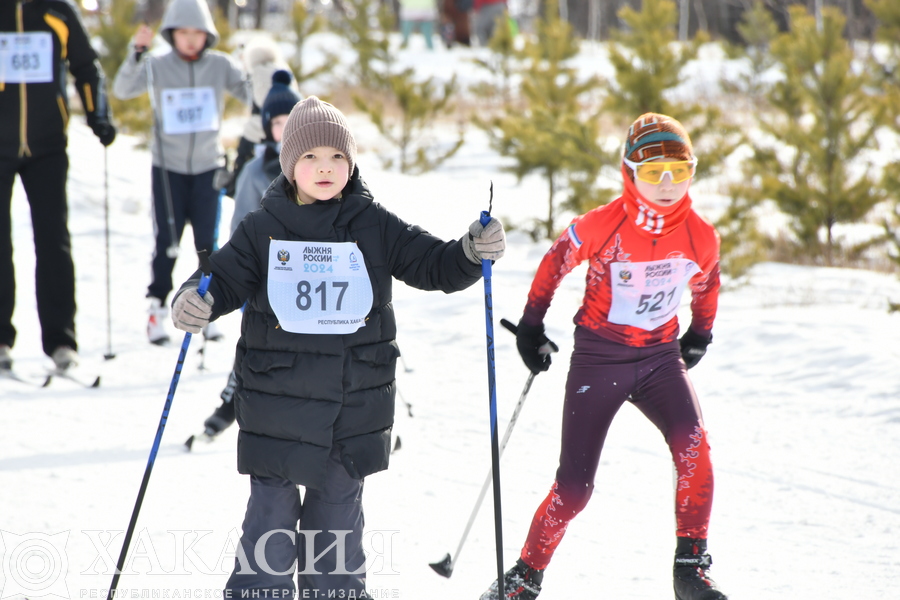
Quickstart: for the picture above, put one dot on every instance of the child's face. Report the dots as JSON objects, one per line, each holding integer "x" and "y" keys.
{"x": 664, "y": 193}
{"x": 189, "y": 41}
{"x": 321, "y": 174}
{"x": 276, "y": 124}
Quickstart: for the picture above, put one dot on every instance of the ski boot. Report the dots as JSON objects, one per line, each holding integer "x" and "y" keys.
{"x": 223, "y": 416}
{"x": 220, "y": 420}
{"x": 156, "y": 329}
{"x": 64, "y": 357}
{"x": 5, "y": 358}
{"x": 520, "y": 583}
{"x": 691, "y": 580}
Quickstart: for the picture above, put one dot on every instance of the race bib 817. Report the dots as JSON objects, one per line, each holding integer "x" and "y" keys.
{"x": 318, "y": 287}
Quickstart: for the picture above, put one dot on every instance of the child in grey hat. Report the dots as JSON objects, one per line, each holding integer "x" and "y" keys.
{"x": 315, "y": 363}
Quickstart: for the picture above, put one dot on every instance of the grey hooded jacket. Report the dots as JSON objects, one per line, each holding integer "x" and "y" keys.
{"x": 188, "y": 153}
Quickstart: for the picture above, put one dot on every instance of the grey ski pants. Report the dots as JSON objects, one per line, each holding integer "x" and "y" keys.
{"x": 326, "y": 552}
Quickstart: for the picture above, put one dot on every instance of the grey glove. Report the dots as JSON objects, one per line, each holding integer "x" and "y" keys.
{"x": 190, "y": 311}
{"x": 486, "y": 242}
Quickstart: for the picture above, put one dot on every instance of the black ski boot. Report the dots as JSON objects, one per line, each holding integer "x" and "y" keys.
{"x": 520, "y": 583}
{"x": 691, "y": 580}
{"x": 220, "y": 420}
{"x": 223, "y": 416}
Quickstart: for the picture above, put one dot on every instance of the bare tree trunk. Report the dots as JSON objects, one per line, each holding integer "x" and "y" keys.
{"x": 260, "y": 12}
{"x": 684, "y": 16}
{"x": 702, "y": 22}
{"x": 594, "y": 20}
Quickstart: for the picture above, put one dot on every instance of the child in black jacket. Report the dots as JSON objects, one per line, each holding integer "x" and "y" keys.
{"x": 316, "y": 359}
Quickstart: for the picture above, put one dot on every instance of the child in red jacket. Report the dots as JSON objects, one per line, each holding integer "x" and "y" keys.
{"x": 644, "y": 249}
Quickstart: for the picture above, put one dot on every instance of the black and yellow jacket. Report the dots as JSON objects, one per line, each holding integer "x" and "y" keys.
{"x": 34, "y": 116}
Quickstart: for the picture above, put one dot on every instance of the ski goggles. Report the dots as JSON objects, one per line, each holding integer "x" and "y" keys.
{"x": 653, "y": 171}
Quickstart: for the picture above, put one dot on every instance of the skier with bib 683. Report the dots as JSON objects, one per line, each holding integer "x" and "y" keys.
{"x": 315, "y": 363}
{"x": 644, "y": 249}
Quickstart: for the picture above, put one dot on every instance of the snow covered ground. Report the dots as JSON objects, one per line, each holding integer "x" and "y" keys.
{"x": 800, "y": 390}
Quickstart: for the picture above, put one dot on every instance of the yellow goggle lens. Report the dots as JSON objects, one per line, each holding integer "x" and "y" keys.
{"x": 653, "y": 172}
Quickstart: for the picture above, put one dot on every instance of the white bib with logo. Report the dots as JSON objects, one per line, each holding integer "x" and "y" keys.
{"x": 318, "y": 287}
{"x": 26, "y": 57}
{"x": 648, "y": 294}
{"x": 189, "y": 110}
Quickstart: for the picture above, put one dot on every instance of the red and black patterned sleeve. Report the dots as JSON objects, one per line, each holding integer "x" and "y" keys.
{"x": 705, "y": 286}
{"x": 566, "y": 253}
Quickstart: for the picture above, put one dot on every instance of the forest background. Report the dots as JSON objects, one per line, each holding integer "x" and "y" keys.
{"x": 797, "y": 133}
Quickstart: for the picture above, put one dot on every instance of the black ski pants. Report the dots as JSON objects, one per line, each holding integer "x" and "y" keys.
{"x": 44, "y": 179}
{"x": 194, "y": 200}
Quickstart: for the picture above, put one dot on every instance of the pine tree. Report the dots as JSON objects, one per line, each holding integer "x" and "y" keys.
{"x": 304, "y": 24}
{"x": 501, "y": 64}
{"x": 552, "y": 132}
{"x": 367, "y": 27}
{"x": 888, "y": 14}
{"x": 420, "y": 104}
{"x": 824, "y": 118}
{"x": 757, "y": 30}
{"x": 115, "y": 28}
{"x": 648, "y": 62}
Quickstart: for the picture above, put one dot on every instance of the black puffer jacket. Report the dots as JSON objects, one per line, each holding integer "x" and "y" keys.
{"x": 298, "y": 394}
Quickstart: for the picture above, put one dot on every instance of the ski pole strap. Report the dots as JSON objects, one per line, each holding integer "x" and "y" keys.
{"x": 703, "y": 561}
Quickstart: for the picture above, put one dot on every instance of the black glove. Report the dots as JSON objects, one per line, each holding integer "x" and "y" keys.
{"x": 534, "y": 347}
{"x": 104, "y": 131}
{"x": 693, "y": 347}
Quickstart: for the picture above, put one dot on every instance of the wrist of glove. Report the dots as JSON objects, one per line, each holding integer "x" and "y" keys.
{"x": 104, "y": 130}
{"x": 484, "y": 242}
{"x": 190, "y": 311}
{"x": 534, "y": 347}
{"x": 693, "y": 347}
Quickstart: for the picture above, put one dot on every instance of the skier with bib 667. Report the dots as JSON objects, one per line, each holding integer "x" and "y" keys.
{"x": 316, "y": 359}
{"x": 187, "y": 89}
{"x": 644, "y": 250}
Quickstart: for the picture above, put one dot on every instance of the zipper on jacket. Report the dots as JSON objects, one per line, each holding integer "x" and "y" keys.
{"x": 24, "y": 150}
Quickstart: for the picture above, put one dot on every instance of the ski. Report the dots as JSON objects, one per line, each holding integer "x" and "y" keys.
{"x": 199, "y": 437}
{"x": 13, "y": 376}
{"x": 65, "y": 374}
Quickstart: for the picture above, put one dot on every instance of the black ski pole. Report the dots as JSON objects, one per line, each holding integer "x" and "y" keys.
{"x": 444, "y": 567}
{"x": 109, "y": 353}
{"x": 120, "y": 564}
{"x": 492, "y": 397}
{"x": 172, "y": 250}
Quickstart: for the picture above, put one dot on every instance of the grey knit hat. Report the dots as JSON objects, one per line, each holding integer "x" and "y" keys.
{"x": 313, "y": 123}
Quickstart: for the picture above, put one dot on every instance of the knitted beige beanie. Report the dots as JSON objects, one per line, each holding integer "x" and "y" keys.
{"x": 313, "y": 123}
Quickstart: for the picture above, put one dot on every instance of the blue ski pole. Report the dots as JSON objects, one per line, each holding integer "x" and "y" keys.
{"x": 204, "y": 285}
{"x": 492, "y": 393}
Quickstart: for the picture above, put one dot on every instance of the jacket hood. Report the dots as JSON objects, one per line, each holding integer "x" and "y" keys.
{"x": 189, "y": 13}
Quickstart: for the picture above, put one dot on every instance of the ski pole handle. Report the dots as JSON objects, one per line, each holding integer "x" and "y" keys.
{"x": 206, "y": 269}
{"x": 514, "y": 329}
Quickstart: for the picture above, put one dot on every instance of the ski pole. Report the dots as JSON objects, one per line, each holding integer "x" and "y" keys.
{"x": 444, "y": 567}
{"x": 172, "y": 250}
{"x": 109, "y": 353}
{"x": 492, "y": 397}
{"x": 204, "y": 284}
